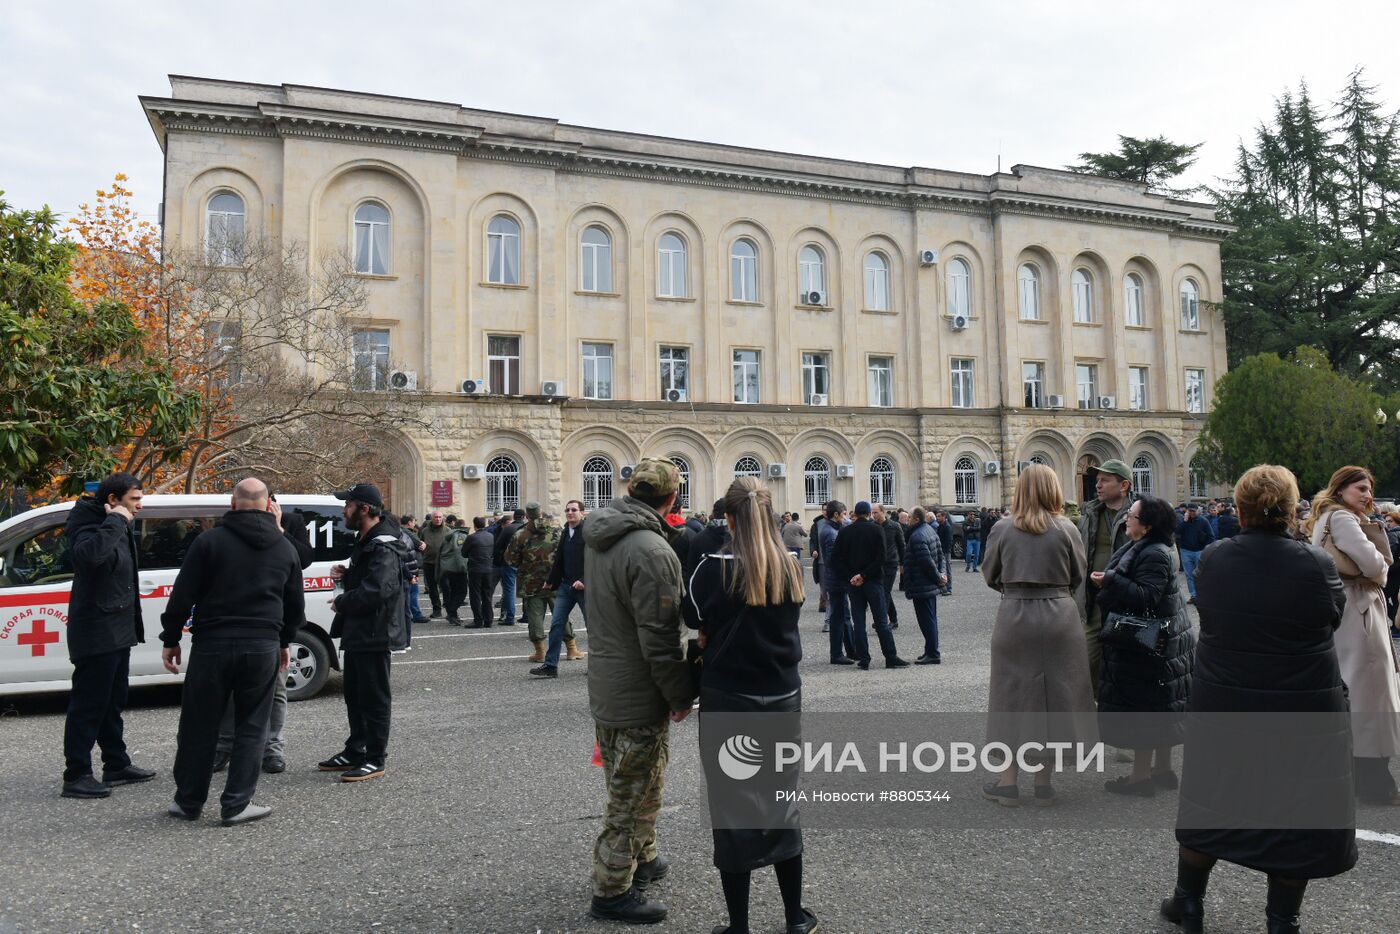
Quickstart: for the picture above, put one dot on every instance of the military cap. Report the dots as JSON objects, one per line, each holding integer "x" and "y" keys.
{"x": 1115, "y": 467}
{"x": 532, "y": 510}
{"x": 654, "y": 476}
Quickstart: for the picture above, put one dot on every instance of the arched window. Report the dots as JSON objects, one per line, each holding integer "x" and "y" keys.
{"x": 597, "y": 483}
{"x": 595, "y": 260}
{"x": 1190, "y": 305}
{"x": 882, "y": 481}
{"x": 743, "y": 271}
{"x": 877, "y": 282}
{"x": 502, "y": 484}
{"x": 671, "y": 266}
{"x": 748, "y": 466}
{"x": 1132, "y": 297}
{"x": 959, "y": 288}
{"x": 1028, "y": 282}
{"x": 683, "y": 493}
{"x": 503, "y": 250}
{"x": 965, "y": 480}
{"x": 1083, "y": 296}
{"x": 1196, "y": 480}
{"x": 816, "y": 477}
{"x": 1142, "y": 475}
{"x": 811, "y": 276}
{"x": 1040, "y": 459}
{"x": 372, "y": 239}
{"x": 225, "y": 222}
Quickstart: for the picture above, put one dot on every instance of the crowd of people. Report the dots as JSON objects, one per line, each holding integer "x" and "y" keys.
{"x": 1295, "y": 603}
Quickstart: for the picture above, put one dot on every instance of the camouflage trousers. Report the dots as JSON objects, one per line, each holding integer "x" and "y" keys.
{"x": 634, "y": 767}
{"x": 539, "y": 607}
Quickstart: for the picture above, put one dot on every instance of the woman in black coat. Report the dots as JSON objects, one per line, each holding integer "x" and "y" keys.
{"x": 1141, "y": 581}
{"x": 1268, "y": 605}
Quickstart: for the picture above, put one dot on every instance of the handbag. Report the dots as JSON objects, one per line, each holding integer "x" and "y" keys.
{"x": 1348, "y": 569}
{"x": 1129, "y": 631}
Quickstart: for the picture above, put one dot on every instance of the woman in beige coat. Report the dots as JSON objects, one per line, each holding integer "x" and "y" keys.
{"x": 1342, "y": 525}
{"x": 1040, "y": 689}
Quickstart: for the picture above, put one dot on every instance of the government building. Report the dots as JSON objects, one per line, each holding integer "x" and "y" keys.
{"x": 567, "y": 300}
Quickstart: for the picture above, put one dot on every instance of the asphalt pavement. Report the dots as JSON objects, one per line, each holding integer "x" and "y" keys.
{"x": 486, "y": 819}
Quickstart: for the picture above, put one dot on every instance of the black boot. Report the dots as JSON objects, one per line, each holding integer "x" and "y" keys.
{"x": 1284, "y": 903}
{"x": 1186, "y": 907}
{"x": 631, "y": 907}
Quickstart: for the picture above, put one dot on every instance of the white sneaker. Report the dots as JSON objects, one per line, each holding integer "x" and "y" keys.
{"x": 249, "y": 814}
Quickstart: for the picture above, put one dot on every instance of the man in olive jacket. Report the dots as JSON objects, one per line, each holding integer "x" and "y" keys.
{"x": 638, "y": 681}
{"x": 1103, "y": 527}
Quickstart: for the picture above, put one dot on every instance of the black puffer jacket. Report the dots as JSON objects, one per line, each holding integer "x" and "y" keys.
{"x": 923, "y": 563}
{"x": 1141, "y": 580}
{"x": 104, "y": 610}
{"x": 370, "y": 614}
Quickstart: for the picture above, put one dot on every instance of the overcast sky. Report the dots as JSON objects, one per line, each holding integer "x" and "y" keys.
{"x": 938, "y": 84}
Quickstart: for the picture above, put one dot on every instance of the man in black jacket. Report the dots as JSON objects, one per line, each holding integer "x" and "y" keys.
{"x": 504, "y": 572}
{"x": 242, "y": 582}
{"x": 104, "y": 622}
{"x": 894, "y": 557}
{"x": 944, "y": 530}
{"x": 566, "y": 580}
{"x": 710, "y": 539}
{"x": 369, "y": 622}
{"x": 859, "y": 557}
{"x": 480, "y": 550}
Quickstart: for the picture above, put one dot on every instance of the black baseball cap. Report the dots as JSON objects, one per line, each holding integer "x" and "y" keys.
{"x": 366, "y": 493}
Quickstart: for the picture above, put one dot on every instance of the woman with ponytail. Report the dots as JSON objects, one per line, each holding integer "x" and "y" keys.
{"x": 745, "y": 600}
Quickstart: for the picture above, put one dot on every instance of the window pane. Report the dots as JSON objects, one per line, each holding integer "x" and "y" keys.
{"x": 1083, "y": 297}
{"x": 1029, "y": 279}
{"x": 380, "y": 266}
{"x": 362, "y": 248}
{"x": 959, "y": 288}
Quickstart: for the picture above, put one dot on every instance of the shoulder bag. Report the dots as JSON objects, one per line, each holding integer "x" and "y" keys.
{"x": 1143, "y": 632}
{"x": 1346, "y": 567}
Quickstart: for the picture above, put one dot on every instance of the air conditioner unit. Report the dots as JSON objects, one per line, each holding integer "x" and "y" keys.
{"x": 626, "y": 471}
{"x": 991, "y": 468}
{"x": 1022, "y": 465}
{"x": 473, "y": 471}
{"x": 845, "y": 470}
{"x": 777, "y": 471}
{"x": 1107, "y": 402}
{"x": 552, "y": 387}
{"x": 476, "y": 387}
{"x": 403, "y": 379}
{"x": 819, "y": 398}
{"x": 1055, "y": 402}
{"x": 813, "y": 298}
{"x": 928, "y": 257}
{"x": 676, "y": 395}
{"x": 958, "y": 322}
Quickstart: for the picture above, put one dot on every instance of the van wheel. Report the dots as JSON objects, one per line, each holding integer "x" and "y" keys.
{"x": 309, "y": 667}
{"x": 959, "y": 547}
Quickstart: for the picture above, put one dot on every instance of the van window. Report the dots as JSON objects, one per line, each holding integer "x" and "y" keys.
{"x": 326, "y": 531}
{"x": 41, "y": 557}
{"x": 161, "y": 544}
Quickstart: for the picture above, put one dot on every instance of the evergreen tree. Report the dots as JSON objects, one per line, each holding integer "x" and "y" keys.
{"x": 1154, "y": 162}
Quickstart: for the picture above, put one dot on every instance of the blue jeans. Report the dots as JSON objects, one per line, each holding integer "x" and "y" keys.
{"x": 838, "y": 620}
{"x": 972, "y": 554}
{"x": 1189, "y": 560}
{"x": 564, "y": 602}
{"x": 508, "y": 592}
{"x": 926, "y": 609}
{"x": 872, "y": 594}
{"x": 415, "y": 613}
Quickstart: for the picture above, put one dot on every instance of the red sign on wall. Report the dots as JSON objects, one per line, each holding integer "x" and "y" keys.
{"x": 442, "y": 492}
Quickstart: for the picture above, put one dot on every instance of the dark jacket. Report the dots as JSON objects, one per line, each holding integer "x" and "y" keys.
{"x": 1194, "y": 534}
{"x": 370, "y": 614}
{"x": 1228, "y": 527}
{"x": 568, "y": 558}
{"x": 695, "y": 525}
{"x": 923, "y": 563}
{"x": 1141, "y": 580}
{"x": 241, "y": 579}
{"x": 944, "y": 529}
{"x": 859, "y": 549}
{"x": 825, "y": 532}
{"x": 504, "y": 534}
{"x": 480, "y": 551}
{"x": 104, "y": 609}
{"x": 987, "y": 523}
{"x": 711, "y": 540}
{"x": 748, "y": 649}
{"x": 894, "y": 543}
{"x": 294, "y": 529}
{"x": 1268, "y": 607}
{"x": 413, "y": 563}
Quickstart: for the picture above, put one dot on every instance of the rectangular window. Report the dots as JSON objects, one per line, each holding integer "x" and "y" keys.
{"x": 1086, "y": 379}
{"x": 370, "y": 359}
{"x": 675, "y": 370}
{"x": 1195, "y": 390}
{"x": 881, "y": 373}
{"x": 1137, "y": 388}
{"x": 597, "y": 371}
{"x": 503, "y": 364}
{"x": 670, "y": 268}
{"x": 1033, "y": 382}
{"x": 746, "y": 377}
{"x": 961, "y": 372}
{"x": 816, "y": 378}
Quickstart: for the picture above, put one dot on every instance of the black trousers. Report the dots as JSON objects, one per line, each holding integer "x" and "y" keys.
{"x": 454, "y": 592}
{"x": 368, "y": 704}
{"x": 240, "y": 671}
{"x": 430, "y": 576}
{"x": 479, "y": 590}
{"x": 891, "y": 574}
{"x": 95, "y": 714}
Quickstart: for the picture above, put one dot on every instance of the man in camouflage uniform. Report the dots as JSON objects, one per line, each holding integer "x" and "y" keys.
{"x": 531, "y": 553}
{"x": 638, "y": 681}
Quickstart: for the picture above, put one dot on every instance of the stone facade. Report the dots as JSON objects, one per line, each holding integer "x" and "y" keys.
{"x": 560, "y": 242}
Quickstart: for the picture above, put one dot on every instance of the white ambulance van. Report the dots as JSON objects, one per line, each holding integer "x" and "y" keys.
{"x": 36, "y": 576}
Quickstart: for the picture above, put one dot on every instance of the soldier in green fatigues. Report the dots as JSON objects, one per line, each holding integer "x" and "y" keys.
{"x": 531, "y": 553}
